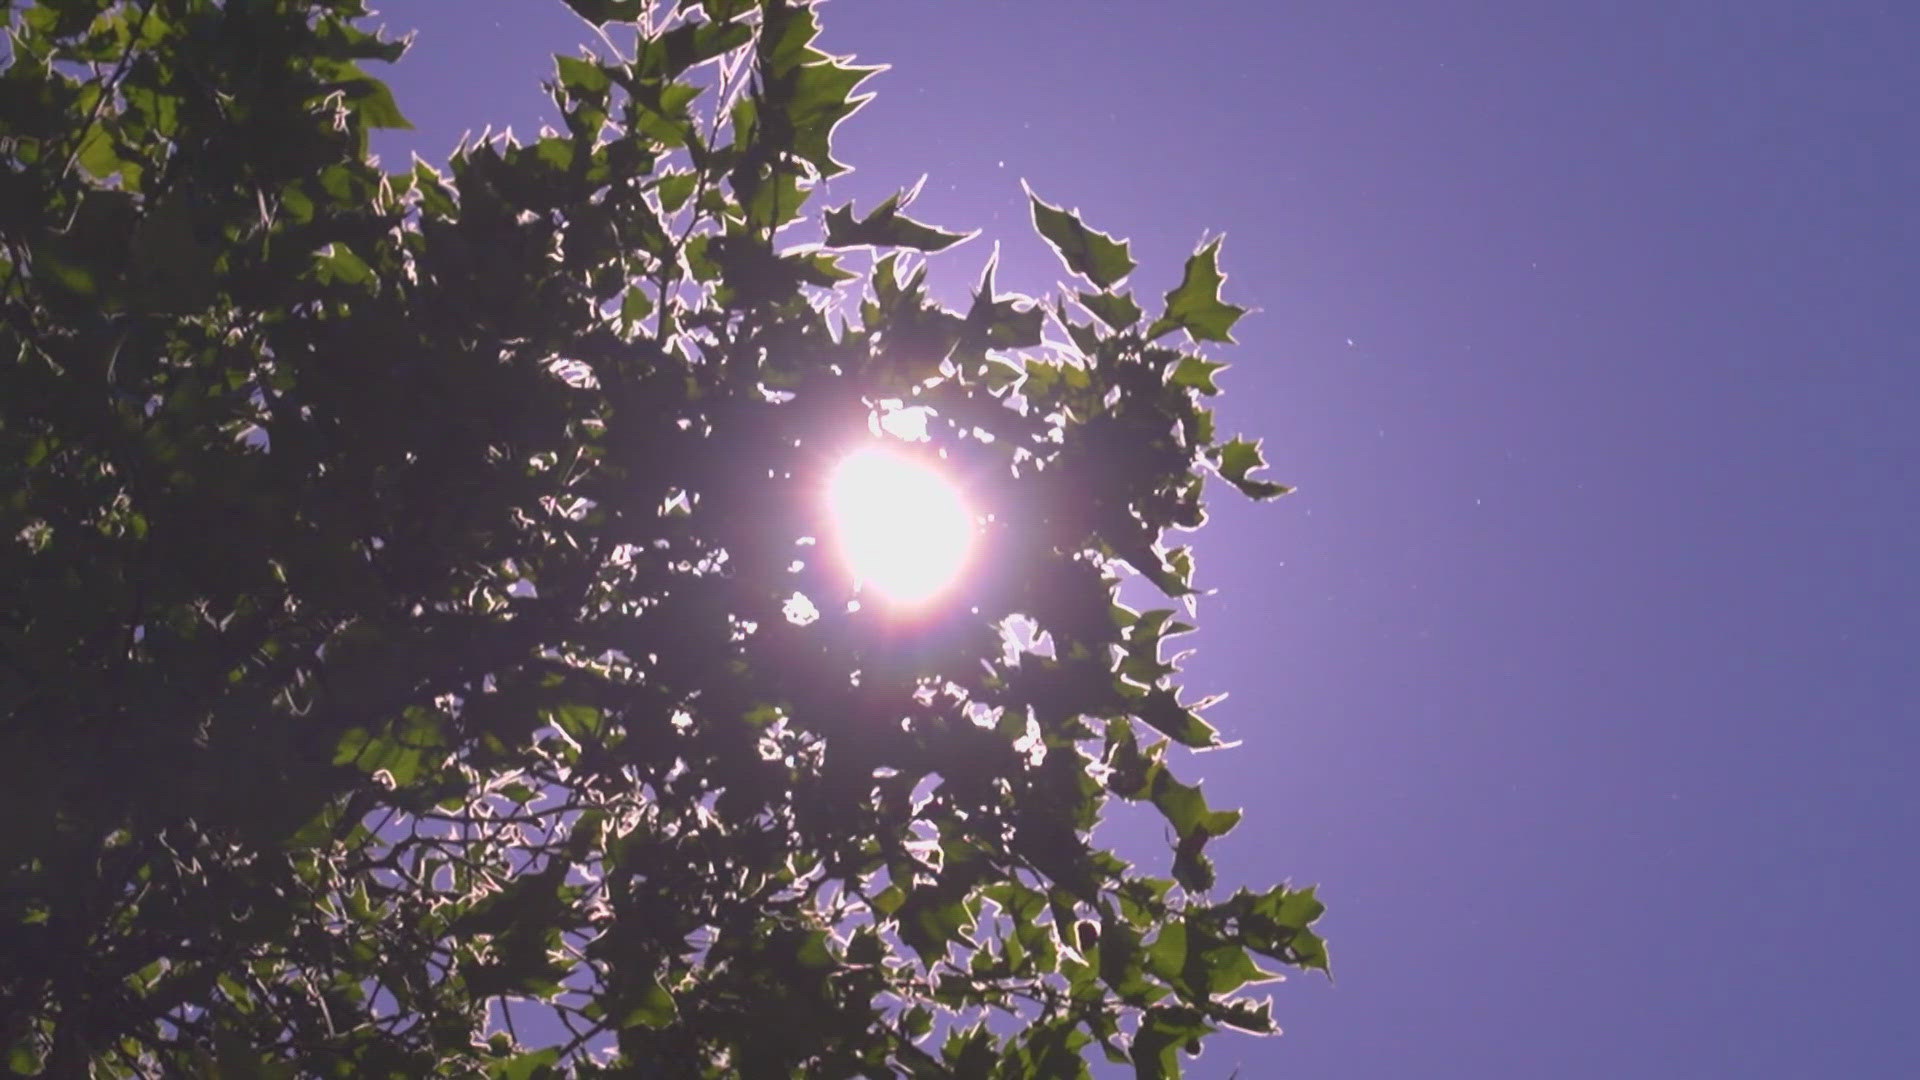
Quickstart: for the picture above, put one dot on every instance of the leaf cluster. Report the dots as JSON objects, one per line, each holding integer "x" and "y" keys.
{"x": 397, "y": 570}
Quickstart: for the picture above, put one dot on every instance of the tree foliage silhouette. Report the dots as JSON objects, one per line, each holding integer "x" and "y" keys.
{"x": 399, "y": 567}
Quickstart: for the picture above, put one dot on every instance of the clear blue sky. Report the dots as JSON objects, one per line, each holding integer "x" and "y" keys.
{"x": 1580, "y": 671}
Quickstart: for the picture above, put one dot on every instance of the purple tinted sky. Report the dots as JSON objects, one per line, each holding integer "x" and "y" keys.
{"x": 1579, "y": 672}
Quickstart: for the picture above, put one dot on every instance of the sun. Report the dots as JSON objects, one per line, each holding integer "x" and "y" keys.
{"x": 902, "y": 528}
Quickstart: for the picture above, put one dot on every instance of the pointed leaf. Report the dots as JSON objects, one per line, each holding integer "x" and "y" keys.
{"x": 606, "y": 11}
{"x": 372, "y": 101}
{"x": 582, "y": 78}
{"x": 686, "y": 46}
{"x": 1195, "y": 305}
{"x": 1117, "y": 310}
{"x": 675, "y": 188}
{"x": 1093, "y": 255}
{"x": 1240, "y": 457}
{"x": 1185, "y": 808}
{"x": 887, "y": 227}
{"x": 1196, "y": 373}
{"x": 809, "y": 102}
{"x": 1162, "y": 711}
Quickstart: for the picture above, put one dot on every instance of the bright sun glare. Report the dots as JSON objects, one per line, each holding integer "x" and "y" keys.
{"x": 902, "y": 527}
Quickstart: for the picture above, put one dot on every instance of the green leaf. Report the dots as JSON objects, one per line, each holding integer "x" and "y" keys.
{"x": 1093, "y": 255}
{"x": 1195, "y": 305}
{"x": 1310, "y": 952}
{"x": 786, "y": 38}
{"x": 584, "y": 80}
{"x": 1252, "y": 1017}
{"x": 1292, "y": 907}
{"x": 1186, "y": 809}
{"x": 813, "y": 951}
{"x": 435, "y": 197}
{"x": 580, "y": 722}
{"x": 865, "y": 948}
{"x": 809, "y": 102}
{"x": 1130, "y": 770}
{"x": 887, "y": 227}
{"x": 373, "y": 754}
{"x": 1167, "y": 953}
{"x": 1122, "y": 962}
{"x": 373, "y": 103}
{"x": 344, "y": 41}
{"x": 1238, "y": 458}
{"x": 340, "y": 266}
{"x": 75, "y": 279}
{"x": 917, "y": 1022}
{"x": 654, "y": 1008}
{"x": 1163, "y": 1031}
{"x": 599, "y": 12}
{"x": 1161, "y": 710}
{"x": 527, "y": 1066}
{"x": 666, "y": 114}
{"x": 1000, "y": 322}
{"x": 1117, "y": 310}
{"x": 970, "y": 1051}
{"x": 1196, "y": 373}
{"x": 822, "y": 269}
{"x": 635, "y": 305}
{"x": 555, "y": 152}
{"x": 1215, "y": 966}
{"x": 1276, "y": 924}
{"x": 98, "y": 155}
{"x": 721, "y": 10}
{"x": 675, "y": 188}
{"x": 351, "y": 745}
{"x": 933, "y": 918}
{"x": 670, "y": 55}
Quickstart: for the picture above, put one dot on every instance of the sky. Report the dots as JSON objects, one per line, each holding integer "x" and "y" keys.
{"x": 1578, "y": 672}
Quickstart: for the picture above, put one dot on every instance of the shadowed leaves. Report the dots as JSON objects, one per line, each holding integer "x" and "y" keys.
{"x": 405, "y": 565}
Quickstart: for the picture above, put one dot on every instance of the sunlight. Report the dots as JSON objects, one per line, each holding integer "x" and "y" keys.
{"x": 903, "y": 529}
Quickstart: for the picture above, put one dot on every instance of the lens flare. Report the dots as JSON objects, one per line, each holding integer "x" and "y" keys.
{"x": 902, "y": 528}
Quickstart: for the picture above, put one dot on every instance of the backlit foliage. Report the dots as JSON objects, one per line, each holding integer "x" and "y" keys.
{"x": 398, "y": 568}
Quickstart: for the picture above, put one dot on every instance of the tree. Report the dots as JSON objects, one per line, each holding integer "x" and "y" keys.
{"x": 412, "y": 634}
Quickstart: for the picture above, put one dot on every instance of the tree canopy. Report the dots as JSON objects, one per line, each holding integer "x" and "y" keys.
{"x": 420, "y": 651}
